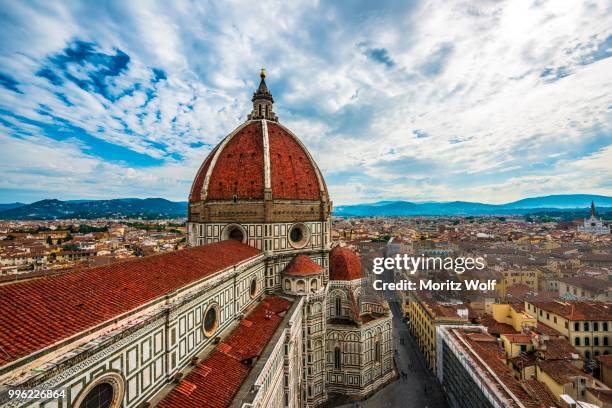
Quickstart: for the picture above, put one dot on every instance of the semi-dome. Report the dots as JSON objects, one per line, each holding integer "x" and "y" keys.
{"x": 344, "y": 264}
{"x": 261, "y": 160}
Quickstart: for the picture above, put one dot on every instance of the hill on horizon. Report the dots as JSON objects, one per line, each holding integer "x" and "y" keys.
{"x": 51, "y": 209}
{"x": 158, "y": 208}
{"x": 465, "y": 208}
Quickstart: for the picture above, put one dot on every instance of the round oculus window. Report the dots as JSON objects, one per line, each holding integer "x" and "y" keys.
{"x": 211, "y": 320}
{"x": 106, "y": 391}
{"x": 101, "y": 396}
{"x": 299, "y": 234}
{"x": 236, "y": 235}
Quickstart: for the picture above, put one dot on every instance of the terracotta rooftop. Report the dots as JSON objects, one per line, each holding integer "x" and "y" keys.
{"x": 485, "y": 349}
{"x": 38, "y": 313}
{"x": 238, "y": 167}
{"x": 588, "y": 283}
{"x": 444, "y": 311}
{"x": 540, "y": 393}
{"x": 518, "y": 338}
{"x": 605, "y": 360}
{"x": 558, "y": 349}
{"x": 561, "y": 371}
{"x": 344, "y": 264}
{"x": 302, "y": 265}
{"x": 214, "y": 382}
{"x": 496, "y": 328}
{"x": 576, "y": 310}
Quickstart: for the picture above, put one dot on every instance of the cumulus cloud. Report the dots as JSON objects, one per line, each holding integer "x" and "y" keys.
{"x": 488, "y": 101}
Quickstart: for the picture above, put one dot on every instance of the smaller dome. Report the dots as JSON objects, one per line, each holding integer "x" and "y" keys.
{"x": 302, "y": 265}
{"x": 344, "y": 264}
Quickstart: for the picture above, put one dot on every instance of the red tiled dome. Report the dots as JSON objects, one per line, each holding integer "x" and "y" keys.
{"x": 302, "y": 265}
{"x": 236, "y": 167}
{"x": 344, "y": 264}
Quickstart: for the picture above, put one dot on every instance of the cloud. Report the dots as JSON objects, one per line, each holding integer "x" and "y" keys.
{"x": 413, "y": 100}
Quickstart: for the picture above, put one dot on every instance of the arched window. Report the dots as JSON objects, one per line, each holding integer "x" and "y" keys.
{"x": 313, "y": 285}
{"x": 337, "y": 358}
{"x": 577, "y": 341}
{"x": 253, "y": 288}
{"x": 338, "y": 306}
{"x": 301, "y": 286}
{"x": 587, "y": 341}
{"x": 377, "y": 351}
{"x": 605, "y": 326}
{"x": 587, "y": 355}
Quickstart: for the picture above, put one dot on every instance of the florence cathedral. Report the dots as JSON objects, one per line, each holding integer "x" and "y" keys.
{"x": 262, "y": 309}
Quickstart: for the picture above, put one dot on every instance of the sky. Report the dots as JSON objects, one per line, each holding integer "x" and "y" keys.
{"x": 488, "y": 101}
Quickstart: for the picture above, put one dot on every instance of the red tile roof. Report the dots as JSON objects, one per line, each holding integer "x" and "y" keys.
{"x": 214, "y": 382}
{"x": 41, "y": 312}
{"x": 239, "y": 167}
{"x": 344, "y": 264}
{"x": 302, "y": 265}
{"x": 540, "y": 393}
{"x": 198, "y": 182}
{"x": 577, "y": 310}
{"x": 561, "y": 371}
{"x": 490, "y": 352}
{"x": 294, "y": 175}
{"x": 605, "y": 360}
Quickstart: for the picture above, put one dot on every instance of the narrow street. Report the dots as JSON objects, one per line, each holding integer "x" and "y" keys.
{"x": 420, "y": 389}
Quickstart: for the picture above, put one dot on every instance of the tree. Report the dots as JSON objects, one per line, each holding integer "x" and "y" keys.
{"x": 49, "y": 240}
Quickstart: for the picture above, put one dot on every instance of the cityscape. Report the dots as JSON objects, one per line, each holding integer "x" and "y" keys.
{"x": 409, "y": 208}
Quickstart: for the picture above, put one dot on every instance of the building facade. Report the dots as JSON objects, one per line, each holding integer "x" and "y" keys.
{"x": 260, "y": 311}
{"x": 594, "y": 225}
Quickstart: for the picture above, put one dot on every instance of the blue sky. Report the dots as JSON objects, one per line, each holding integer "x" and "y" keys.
{"x": 422, "y": 100}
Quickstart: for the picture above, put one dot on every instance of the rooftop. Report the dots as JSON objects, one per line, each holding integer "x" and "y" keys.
{"x": 214, "y": 382}
{"x": 302, "y": 265}
{"x": 561, "y": 371}
{"x": 39, "y": 313}
{"x": 484, "y": 352}
{"x": 576, "y": 310}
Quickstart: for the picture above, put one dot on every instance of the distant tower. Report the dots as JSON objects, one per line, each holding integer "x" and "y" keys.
{"x": 594, "y": 225}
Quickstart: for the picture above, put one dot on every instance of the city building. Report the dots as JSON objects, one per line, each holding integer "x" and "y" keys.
{"x": 260, "y": 311}
{"x": 586, "y": 325}
{"x": 425, "y": 316}
{"x": 594, "y": 225}
{"x": 585, "y": 287}
{"x": 472, "y": 372}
